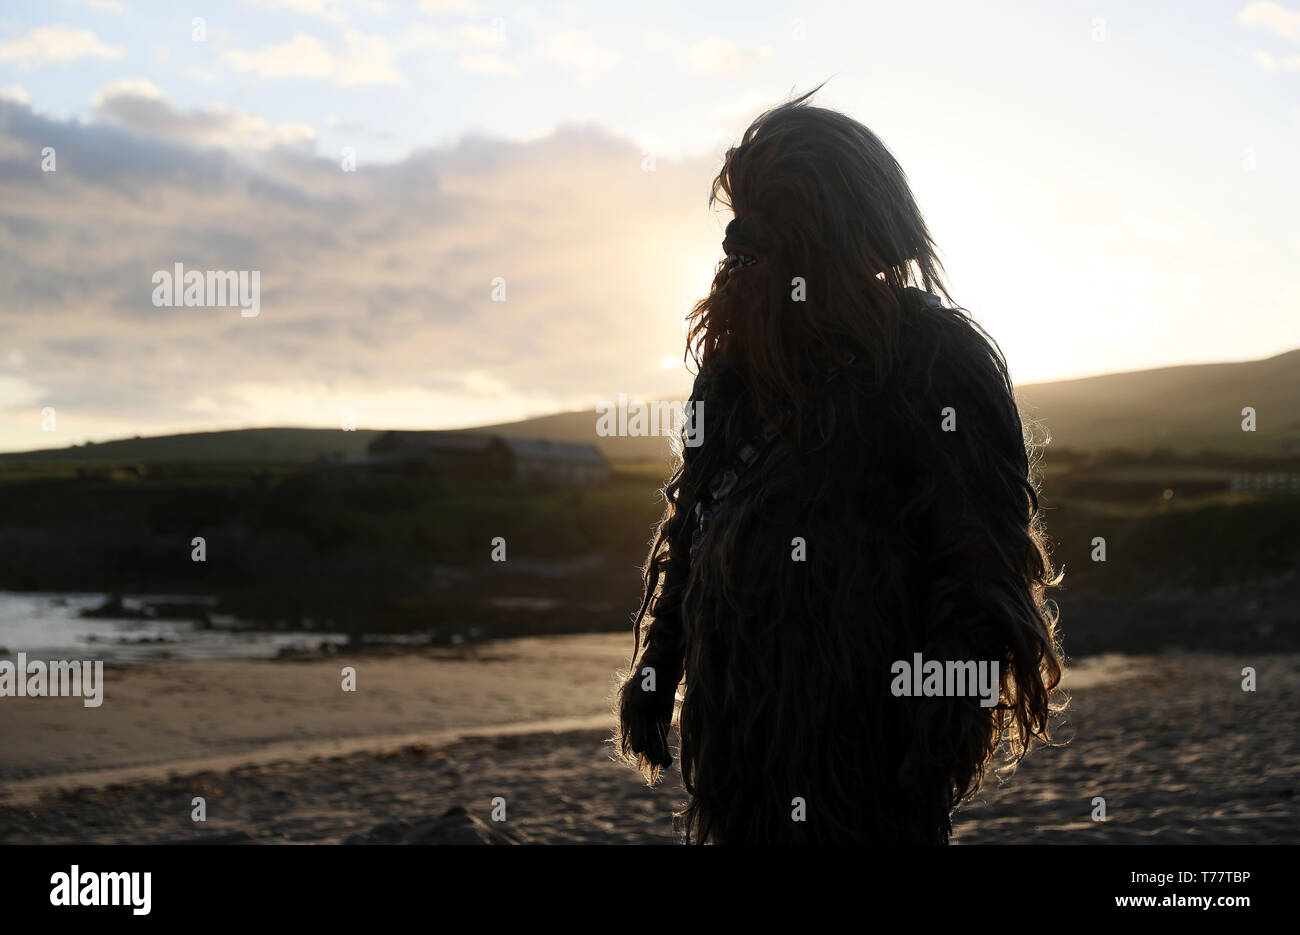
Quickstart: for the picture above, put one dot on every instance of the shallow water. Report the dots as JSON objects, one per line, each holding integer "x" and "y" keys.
{"x": 50, "y": 626}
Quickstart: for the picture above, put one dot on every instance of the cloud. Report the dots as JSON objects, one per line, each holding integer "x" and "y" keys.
{"x": 376, "y": 285}
{"x": 199, "y": 74}
{"x": 487, "y": 63}
{"x": 48, "y": 45}
{"x": 15, "y": 93}
{"x": 365, "y": 60}
{"x": 576, "y": 49}
{"x": 723, "y": 57}
{"x": 447, "y": 7}
{"x": 711, "y": 55}
{"x": 1276, "y": 19}
{"x": 482, "y": 37}
{"x": 139, "y": 106}
{"x": 424, "y": 36}
{"x": 1270, "y": 62}
{"x": 107, "y": 6}
{"x": 478, "y": 49}
{"x": 331, "y": 11}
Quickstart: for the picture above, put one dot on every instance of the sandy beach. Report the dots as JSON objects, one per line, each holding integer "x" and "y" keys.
{"x": 431, "y": 738}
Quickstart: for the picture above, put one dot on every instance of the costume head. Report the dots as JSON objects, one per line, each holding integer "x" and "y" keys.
{"x": 825, "y": 235}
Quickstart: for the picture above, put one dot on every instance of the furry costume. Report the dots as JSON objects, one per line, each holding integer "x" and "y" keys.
{"x": 823, "y": 423}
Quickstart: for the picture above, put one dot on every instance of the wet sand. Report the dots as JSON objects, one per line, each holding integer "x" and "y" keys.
{"x": 1179, "y": 752}
{"x": 158, "y": 713}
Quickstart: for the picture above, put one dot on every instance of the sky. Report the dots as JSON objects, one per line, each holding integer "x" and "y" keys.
{"x": 465, "y": 212}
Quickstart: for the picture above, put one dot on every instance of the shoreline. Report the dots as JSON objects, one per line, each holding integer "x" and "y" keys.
{"x": 432, "y": 738}
{"x": 241, "y": 711}
{"x": 189, "y": 711}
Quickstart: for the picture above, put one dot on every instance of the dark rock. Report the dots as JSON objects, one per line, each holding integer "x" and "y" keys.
{"x": 456, "y": 826}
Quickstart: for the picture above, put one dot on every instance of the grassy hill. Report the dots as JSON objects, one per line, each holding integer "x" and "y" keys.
{"x": 289, "y": 445}
{"x": 1185, "y": 409}
{"x": 581, "y": 427}
{"x": 255, "y": 445}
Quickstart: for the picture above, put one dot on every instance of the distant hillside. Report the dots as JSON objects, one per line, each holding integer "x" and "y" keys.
{"x": 581, "y": 427}
{"x": 262, "y": 445}
{"x": 1183, "y": 408}
{"x": 294, "y": 444}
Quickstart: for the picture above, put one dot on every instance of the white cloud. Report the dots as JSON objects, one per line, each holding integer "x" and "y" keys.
{"x": 138, "y": 105}
{"x": 16, "y": 94}
{"x": 487, "y": 64}
{"x": 482, "y": 37}
{"x": 723, "y": 57}
{"x": 331, "y": 11}
{"x": 134, "y": 87}
{"x": 1270, "y": 62}
{"x": 477, "y": 48}
{"x": 56, "y": 44}
{"x": 201, "y": 75}
{"x": 1275, "y": 18}
{"x": 710, "y": 55}
{"x": 446, "y": 7}
{"x": 744, "y": 108}
{"x": 107, "y": 6}
{"x": 577, "y": 49}
{"x": 424, "y": 35}
{"x": 365, "y": 60}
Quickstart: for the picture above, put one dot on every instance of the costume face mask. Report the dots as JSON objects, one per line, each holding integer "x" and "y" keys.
{"x": 745, "y": 249}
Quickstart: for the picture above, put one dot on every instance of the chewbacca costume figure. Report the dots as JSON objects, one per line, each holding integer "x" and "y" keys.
{"x": 860, "y": 494}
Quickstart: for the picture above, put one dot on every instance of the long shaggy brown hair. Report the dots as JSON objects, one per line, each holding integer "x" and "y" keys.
{"x": 914, "y": 538}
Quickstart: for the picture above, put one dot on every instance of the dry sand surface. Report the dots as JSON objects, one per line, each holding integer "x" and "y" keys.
{"x": 1179, "y": 752}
